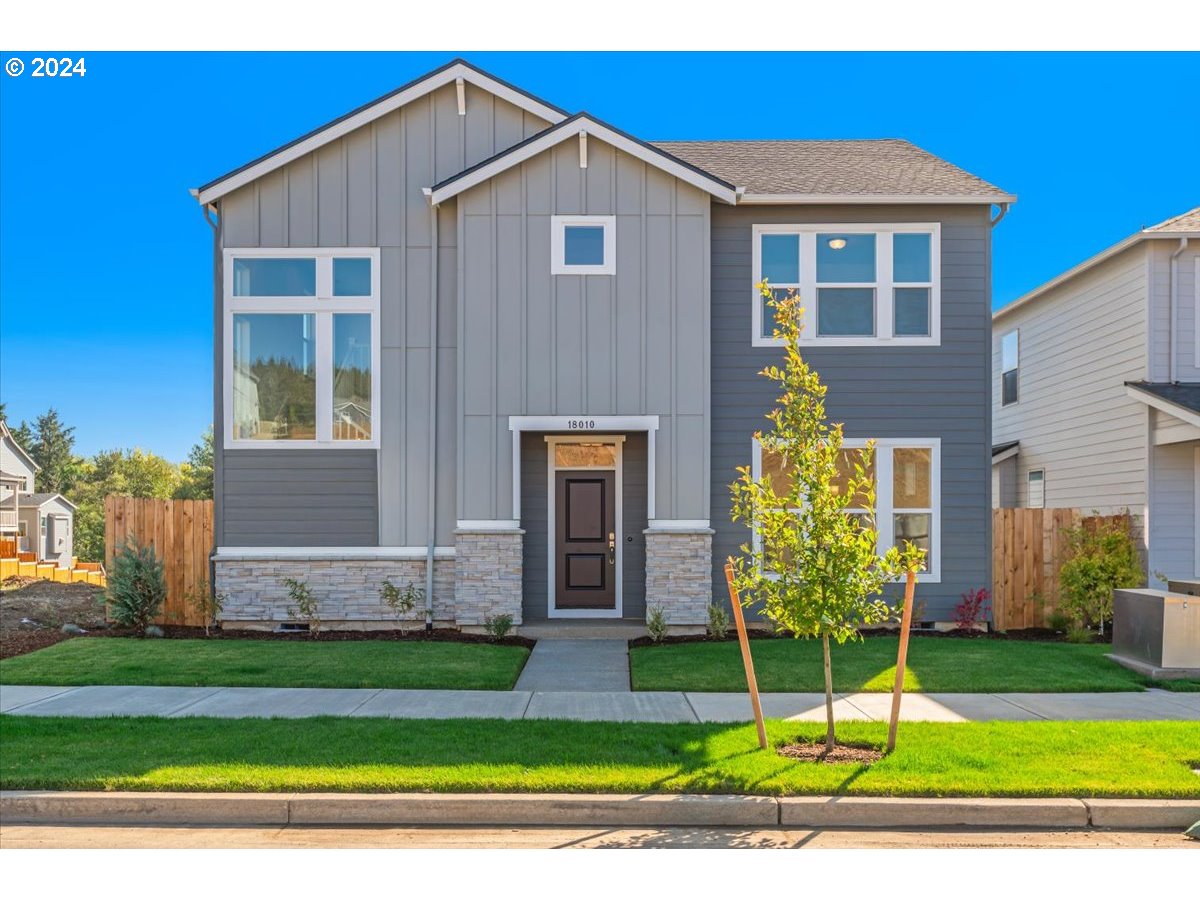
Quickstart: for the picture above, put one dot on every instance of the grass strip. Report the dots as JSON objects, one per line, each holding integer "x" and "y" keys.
{"x": 250, "y": 663}
{"x": 948, "y": 665}
{"x": 997, "y": 759}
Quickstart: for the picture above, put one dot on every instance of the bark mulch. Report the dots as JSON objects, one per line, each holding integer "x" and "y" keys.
{"x": 443, "y": 635}
{"x": 841, "y": 753}
{"x": 1047, "y": 635}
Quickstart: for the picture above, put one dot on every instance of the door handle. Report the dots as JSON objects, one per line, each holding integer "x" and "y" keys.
{"x": 612, "y": 548}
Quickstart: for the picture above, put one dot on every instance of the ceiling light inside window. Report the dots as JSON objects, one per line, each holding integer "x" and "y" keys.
{"x": 837, "y": 243}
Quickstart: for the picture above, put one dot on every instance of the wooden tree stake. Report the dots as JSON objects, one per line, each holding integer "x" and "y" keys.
{"x": 905, "y": 624}
{"x": 744, "y": 641}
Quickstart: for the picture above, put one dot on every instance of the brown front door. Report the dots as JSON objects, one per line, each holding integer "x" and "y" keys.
{"x": 585, "y": 562}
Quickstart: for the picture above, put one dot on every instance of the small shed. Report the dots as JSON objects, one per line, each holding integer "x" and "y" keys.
{"x": 47, "y": 527}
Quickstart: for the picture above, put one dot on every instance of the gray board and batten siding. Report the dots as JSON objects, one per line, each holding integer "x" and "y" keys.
{"x": 628, "y": 344}
{"x": 879, "y": 392}
{"x": 365, "y": 189}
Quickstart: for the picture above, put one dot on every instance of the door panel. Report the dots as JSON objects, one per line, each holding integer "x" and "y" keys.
{"x": 584, "y": 541}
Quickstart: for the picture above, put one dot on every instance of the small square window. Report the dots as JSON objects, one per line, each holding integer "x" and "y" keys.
{"x": 911, "y": 309}
{"x": 846, "y": 258}
{"x": 845, "y": 311}
{"x": 781, "y": 258}
{"x": 583, "y": 245}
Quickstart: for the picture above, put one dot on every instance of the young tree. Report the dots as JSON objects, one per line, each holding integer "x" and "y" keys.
{"x": 813, "y": 567}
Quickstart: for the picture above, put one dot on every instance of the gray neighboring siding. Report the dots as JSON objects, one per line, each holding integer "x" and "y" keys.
{"x": 301, "y": 498}
{"x": 633, "y": 343}
{"x": 921, "y": 392}
{"x": 1172, "y": 537}
{"x": 365, "y": 190}
{"x": 534, "y": 521}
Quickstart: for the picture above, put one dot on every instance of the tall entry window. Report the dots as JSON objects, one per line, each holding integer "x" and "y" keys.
{"x": 301, "y": 348}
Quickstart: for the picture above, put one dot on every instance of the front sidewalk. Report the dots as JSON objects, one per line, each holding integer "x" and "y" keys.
{"x": 597, "y": 706}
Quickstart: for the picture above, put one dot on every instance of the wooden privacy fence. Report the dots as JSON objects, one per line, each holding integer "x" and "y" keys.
{"x": 1028, "y": 550}
{"x": 181, "y": 533}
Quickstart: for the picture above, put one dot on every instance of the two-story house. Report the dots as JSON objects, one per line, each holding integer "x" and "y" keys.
{"x": 1096, "y": 392}
{"x": 31, "y": 522}
{"x": 468, "y": 340}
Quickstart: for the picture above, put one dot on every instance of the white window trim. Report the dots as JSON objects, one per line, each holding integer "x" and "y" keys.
{"x": 1028, "y": 492}
{"x": 558, "y": 231}
{"x": 883, "y": 494}
{"x": 323, "y": 307}
{"x": 884, "y": 285}
{"x": 1016, "y": 332}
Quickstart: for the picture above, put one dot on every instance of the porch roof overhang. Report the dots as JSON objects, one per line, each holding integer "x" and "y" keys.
{"x": 1179, "y": 400}
{"x": 582, "y": 123}
{"x": 1007, "y": 450}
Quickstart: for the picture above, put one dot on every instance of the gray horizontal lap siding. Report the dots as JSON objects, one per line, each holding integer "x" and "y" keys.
{"x": 920, "y": 392}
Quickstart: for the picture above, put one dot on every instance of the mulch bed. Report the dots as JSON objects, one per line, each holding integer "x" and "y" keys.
{"x": 437, "y": 635}
{"x": 1046, "y": 635}
{"x": 841, "y": 753}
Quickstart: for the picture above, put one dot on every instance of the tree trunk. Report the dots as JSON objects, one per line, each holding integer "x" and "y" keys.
{"x": 830, "y": 735}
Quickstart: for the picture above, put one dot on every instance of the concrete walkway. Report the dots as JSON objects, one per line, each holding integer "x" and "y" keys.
{"x": 587, "y": 705}
{"x": 589, "y": 665}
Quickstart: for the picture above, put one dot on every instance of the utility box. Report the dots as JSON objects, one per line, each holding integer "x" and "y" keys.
{"x": 1157, "y": 633}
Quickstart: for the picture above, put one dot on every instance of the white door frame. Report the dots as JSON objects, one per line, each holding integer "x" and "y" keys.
{"x": 552, "y": 441}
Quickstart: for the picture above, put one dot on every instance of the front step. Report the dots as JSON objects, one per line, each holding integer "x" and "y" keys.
{"x": 583, "y": 629}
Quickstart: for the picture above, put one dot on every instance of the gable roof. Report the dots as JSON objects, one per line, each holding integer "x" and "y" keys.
{"x": 1179, "y": 400}
{"x": 6, "y": 434}
{"x": 40, "y": 499}
{"x": 369, "y": 112}
{"x": 1185, "y": 225}
{"x": 583, "y": 123}
{"x": 854, "y": 171}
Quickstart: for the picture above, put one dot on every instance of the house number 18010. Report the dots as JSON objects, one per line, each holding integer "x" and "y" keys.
{"x": 578, "y": 424}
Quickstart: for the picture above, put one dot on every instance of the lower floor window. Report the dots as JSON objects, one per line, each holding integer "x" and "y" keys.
{"x": 907, "y": 476}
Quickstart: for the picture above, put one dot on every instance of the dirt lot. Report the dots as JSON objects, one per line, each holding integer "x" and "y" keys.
{"x": 33, "y": 611}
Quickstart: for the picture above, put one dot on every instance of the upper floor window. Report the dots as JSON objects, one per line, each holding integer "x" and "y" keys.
{"x": 301, "y": 347}
{"x": 583, "y": 245}
{"x": 860, "y": 284}
{"x": 1010, "y": 359}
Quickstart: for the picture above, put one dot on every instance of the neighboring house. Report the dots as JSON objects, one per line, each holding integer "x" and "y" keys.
{"x": 470, "y": 341}
{"x": 1096, "y": 391}
{"x": 39, "y": 523}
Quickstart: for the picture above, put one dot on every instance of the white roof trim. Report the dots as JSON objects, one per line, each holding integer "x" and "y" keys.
{"x": 596, "y": 130}
{"x": 1007, "y": 454}
{"x": 6, "y": 433}
{"x": 766, "y": 199}
{"x": 448, "y": 75}
{"x": 1089, "y": 263}
{"x": 1179, "y": 412}
{"x": 50, "y": 499}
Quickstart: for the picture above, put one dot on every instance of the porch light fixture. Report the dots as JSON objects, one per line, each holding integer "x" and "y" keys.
{"x": 837, "y": 243}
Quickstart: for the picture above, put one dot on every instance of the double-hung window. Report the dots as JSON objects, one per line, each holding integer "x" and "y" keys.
{"x": 301, "y": 342}
{"x": 1010, "y": 361}
{"x": 860, "y": 285}
{"x": 907, "y": 476}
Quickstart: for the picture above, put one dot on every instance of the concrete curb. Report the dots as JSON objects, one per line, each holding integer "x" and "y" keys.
{"x": 661, "y": 810}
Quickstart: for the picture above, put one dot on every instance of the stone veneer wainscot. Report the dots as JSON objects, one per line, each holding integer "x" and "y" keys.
{"x": 679, "y": 573}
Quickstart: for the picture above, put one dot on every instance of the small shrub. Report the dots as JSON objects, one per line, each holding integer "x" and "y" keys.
{"x": 137, "y": 587}
{"x": 498, "y": 626}
{"x": 718, "y": 622}
{"x": 1079, "y": 634}
{"x": 306, "y": 604}
{"x": 207, "y": 603}
{"x": 401, "y": 601}
{"x": 1057, "y": 620}
{"x": 1101, "y": 558}
{"x": 656, "y": 624}
{"x": 973, "y": 609}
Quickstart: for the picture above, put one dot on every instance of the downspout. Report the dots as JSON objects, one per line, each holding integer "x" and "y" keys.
{"x": 1172, "y": 310}
{"x": 431, "y": 527}
{"x": 1000, "y": 215}
{"x": 218, "y": 290}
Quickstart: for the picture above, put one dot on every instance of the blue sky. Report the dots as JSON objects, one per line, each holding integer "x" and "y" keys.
{"x": 105, "y": 284}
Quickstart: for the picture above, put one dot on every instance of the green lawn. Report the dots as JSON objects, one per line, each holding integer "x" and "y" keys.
{"x": 1137, "y": 759}
{"x": 253, "y": 663}
{"x": 934, "y": 664}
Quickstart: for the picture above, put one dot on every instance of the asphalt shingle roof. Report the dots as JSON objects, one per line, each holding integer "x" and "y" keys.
{"x": 1185, "y": 396}
{"x": 866, "y": 167}
{"x": 36, "y": 499}
{"x": 1187, "y": 222}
